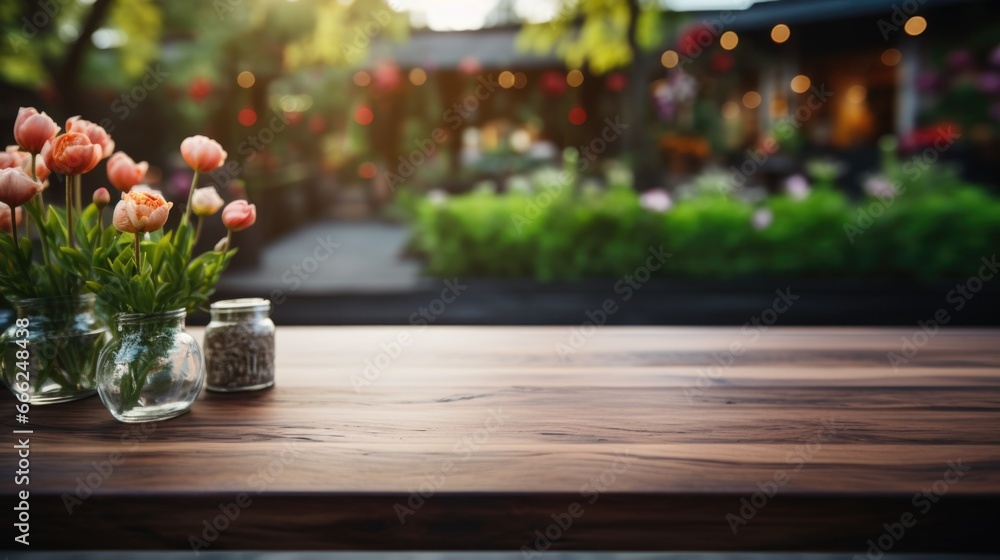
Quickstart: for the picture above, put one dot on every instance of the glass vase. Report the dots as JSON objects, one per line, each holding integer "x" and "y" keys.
{"x": 153, "y": 370}
{"x": 51, "y": 350}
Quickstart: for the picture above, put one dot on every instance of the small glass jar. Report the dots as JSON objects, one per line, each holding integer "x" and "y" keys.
{"x": 239, "y": 345}
{"x": 153, "y": 369}
{"x": 51, "y": 352}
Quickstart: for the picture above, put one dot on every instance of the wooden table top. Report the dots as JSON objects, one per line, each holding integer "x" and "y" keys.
{"x": 530, "y": 439}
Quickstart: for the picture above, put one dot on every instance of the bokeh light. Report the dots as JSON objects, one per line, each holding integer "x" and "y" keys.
{"x": 751, "y": 100}
{"x": 418, "y": 76}
{"x": 857, "y": 94}
{"x": 731, "y": 110}
{"x": 729, "y": 40}
{"x": 801, "y": 83}
{"x": 367, "y": 170}
{"x": 891, "y": 57}
{"x": 669, "y": 59}
{"x": 362, "y": 79}
{"x": 363, "y": 115}
{"x": 506, "y": 79}
{"x": 574, "y": 78}
{"x": 246, "y": 79}
{"x": 780, "y": 33}
{"x": 915, "y": 25}
{"x": 247, "y": 117}
{"x": 577, "y": 116}
{"x": 520, "y": 80}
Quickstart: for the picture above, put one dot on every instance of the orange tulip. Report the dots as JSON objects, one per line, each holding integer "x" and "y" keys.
{"x": 239, "y": 215}
{"x": 202, "y": 153}
{"x": 16, "y": 187}
{"x": 95, "y": 132}
{"x": 141, "y": 212}
{"x": 32, "y": 129}
{"x": 124, "y": 173}
{"x": 71, "y": 154}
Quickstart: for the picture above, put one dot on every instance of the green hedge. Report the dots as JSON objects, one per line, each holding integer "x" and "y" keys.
{"x": 562, "y": 231}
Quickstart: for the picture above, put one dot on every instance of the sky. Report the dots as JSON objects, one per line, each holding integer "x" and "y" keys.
{"x": 448, "y": 15}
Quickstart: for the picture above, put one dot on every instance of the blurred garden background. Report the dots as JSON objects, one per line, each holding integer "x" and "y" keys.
{"x": 524, "y": 161}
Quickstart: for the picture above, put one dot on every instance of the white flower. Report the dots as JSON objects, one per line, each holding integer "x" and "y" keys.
{"x": 656, "y": 200}
{"x": 762, "y": 219}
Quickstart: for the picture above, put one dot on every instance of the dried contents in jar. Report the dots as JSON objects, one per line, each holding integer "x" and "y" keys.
{"x": 239, "y": 346}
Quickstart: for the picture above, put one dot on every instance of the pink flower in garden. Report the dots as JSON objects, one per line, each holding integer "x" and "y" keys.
{"x": 656, "y": 200}
{"x": 33, "y": 129}
{"x": 239, "y": 215}
{"x": 102, "y": 197}
{"x": 95, "y": 132}
{"x": 124, "y": 173}
{"x": 880, "y": 187}
{"x": 16, "y": 187}
{"x": 141, "y": 212}
{"x": 762, "y": 219}
{"x": 797, "y": 187}
{"x": 202, "y": 153}
{"x": 71, "y": 154}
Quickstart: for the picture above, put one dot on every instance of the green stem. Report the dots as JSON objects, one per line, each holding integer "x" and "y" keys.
{"x": 69, "y": 210}
{"x": 197, "y": 230}
{"x": 194, "y": 181}
{"x": 77, "y": 187}
{"x": 13, "y": 227}
{"x": 138, "y": 252}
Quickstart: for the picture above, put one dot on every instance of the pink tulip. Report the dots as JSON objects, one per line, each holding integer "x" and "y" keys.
{"x": 5, "y": 217}
{"x": 16, "y": 187}
{"x": 102, "y": 197}
{"x": 239, "y": 215}
{"x": 71, "y": 154}
{"x": 124, "y": 173}
{"x": 95, "y": 132}
{"x": 32, "y": 129}
{"x": 14, "y": 157}
{"x": 202, "y": 153}
{"x": 206, "y": 201}
{"x": 141, "y": 212}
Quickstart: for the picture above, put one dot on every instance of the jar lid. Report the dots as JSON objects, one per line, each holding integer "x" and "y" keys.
{"x": 241, "y": 304}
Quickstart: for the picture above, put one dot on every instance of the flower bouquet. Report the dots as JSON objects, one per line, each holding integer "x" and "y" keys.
{"x": 49, "y": 354}
{"x": 148, "y": 277}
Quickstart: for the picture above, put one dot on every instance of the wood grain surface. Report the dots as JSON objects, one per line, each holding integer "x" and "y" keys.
{"x": 487, "y": 438}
